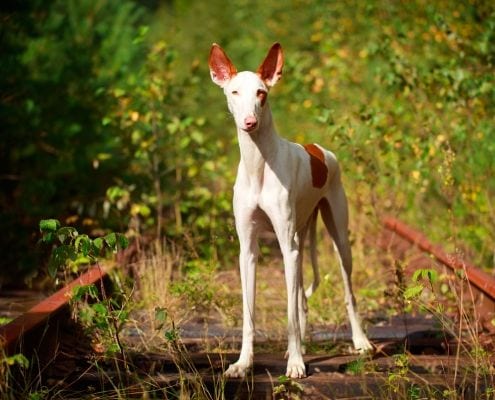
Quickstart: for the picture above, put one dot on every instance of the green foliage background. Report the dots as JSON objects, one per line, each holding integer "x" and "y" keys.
{"x": 110, "y": 121}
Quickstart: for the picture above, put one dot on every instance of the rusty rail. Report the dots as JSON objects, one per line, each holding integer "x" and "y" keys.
{"x": 39, "y": 316}
{"x": 483, "y": 281}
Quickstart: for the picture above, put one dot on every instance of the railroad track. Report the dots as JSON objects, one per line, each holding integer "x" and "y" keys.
{"x": 33, "y": 329}
{"x": 406, "y": 243}
{"x": 415, "y": 357}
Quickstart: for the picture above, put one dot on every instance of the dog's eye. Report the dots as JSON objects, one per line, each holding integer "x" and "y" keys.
{"x": 235, "y": 92}
{"x": 261, "y": 94}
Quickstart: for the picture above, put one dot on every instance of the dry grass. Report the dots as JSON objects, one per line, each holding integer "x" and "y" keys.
{"x": 212, "y": 295}
{"x": 213, "y": 299}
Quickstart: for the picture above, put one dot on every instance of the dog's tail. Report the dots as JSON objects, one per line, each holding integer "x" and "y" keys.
{"x": 312, "y": 248}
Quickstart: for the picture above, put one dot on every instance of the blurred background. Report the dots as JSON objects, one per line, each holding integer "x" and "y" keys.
{"x": 109, "y": 119}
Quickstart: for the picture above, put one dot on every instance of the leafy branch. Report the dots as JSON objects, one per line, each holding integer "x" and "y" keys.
{"x": 73, "y": 249}
{"x": 103, "y": 318}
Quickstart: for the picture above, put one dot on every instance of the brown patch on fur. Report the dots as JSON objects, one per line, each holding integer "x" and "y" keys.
{"x": 319, "y": 170}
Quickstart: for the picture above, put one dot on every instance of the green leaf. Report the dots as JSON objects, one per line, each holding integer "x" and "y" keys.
{"x": 119, "y": 92}
{"x": 86, "y": 315}
{"x": 59, "y": 258}
{"x": 432, "y": 275}
{"x": 18, "y": 359}
{"x": 122, "y": 316}
{"x": 172, "y": 335}
{"x": 144, "y": 210}
{"x": 417, "y": 274}
{"x": 116, "y": 241}
{"x": 82, "y": 260}
{"x": 49, "y": 225}
{"x": 82, "y": 244}
{"x": 122, "y": 241}
{"x": 52, "y": 268}
{"x": 413, "y": 291}
{"x": 111, "y": 240}
{"x": 160, "y": 317}
{"x": 5, "y": 320}
{"x": 283, "y": 379}
{"x": 65, "y": 233}
{"x": 429, "y": 274}
{"x": 98, "y": 245}
{"x": 113, "y": 348}
{"x": 100, "y": 309}
{"x": 114, "y": 193}
{"x": 80, "y": 291}
{"x": 198, "y": 137}
{"x": 48, "y": 237}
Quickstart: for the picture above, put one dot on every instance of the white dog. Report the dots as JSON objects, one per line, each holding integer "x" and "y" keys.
{"x": 280, "y": 186}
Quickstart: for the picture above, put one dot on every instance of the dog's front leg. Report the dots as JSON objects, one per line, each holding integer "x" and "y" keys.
{"x": 283, "y": 223}
{"x": 247, "y": 262}
{"x": 291, "y": 254}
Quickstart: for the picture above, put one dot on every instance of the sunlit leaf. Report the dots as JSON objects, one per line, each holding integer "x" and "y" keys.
{"x": 49, "y": 225}
{"x": 65, "y": 233}
{"x": 413, "y": 291}
{"x": 111, "y": 240}
{"x": 98, "y": 245}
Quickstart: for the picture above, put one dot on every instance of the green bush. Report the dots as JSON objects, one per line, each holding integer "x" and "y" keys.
{"x": 111, "y": 120}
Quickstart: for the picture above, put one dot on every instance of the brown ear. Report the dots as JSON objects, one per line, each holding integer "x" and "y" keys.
{"x": 270, "y": 69}
{"x": 221, "y": 68}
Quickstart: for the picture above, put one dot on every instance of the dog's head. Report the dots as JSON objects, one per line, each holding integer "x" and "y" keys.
{"x": 246, "y": 91}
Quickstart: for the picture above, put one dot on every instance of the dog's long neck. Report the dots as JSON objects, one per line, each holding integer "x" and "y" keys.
{"x": 259, "y": 147}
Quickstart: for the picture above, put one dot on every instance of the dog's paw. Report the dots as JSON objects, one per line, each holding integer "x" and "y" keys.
{"x": 236, "y": 370}
{"x": 296, "y": 369}
{"x": 362, "y": 345}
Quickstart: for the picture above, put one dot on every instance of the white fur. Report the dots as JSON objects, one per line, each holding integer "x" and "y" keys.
{"x": 274, "y": 191}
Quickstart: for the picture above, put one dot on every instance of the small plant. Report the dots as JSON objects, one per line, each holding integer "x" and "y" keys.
{"x": 355, "y": 367}
{"x": 287, "y": 389}
{"x": 191, "y": 380}
{"x": 7, "y": 364}
{"x": 203, "y": 293}
{"x": 397, "y": 379}
{"x": 404, "y": 295}
{"x": 101, "y": 316}
{"x": 358, "y": 366}
{"x": 414, "y": 392}
{"x": 197, "y": 287}
{"x": 4, "y": 320}
{"x": 414, "y": 291}
{"x": 73, "y": 250}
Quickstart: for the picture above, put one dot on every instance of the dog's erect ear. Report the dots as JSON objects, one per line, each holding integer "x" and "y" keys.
{"x": 270, "y": 69}
{"x": 221, "y": 68}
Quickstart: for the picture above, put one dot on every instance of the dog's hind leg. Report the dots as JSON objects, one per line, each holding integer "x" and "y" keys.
{"x": 313, "y": 254}
{"x": 334, "y": 213}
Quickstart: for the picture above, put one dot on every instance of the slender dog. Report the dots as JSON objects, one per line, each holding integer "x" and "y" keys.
{"x": 281, "y": 186}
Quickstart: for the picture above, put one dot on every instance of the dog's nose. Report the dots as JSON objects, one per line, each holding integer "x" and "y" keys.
{"x": 250, "y": 122}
